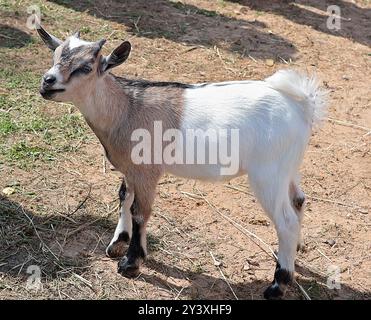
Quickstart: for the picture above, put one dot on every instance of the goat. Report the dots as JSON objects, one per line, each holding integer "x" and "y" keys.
{"x": 274, "y": 119}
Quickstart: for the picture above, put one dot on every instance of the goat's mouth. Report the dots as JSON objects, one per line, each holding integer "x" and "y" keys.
{"x": 49, "y": 93}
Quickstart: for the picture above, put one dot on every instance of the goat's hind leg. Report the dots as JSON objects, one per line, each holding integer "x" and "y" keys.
{"x": 123, "y": 231}
{"x": 287, "y": 227}
{"x": 274, "y": 198}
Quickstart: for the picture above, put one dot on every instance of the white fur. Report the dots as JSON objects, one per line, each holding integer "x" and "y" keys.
{"x": 76, "y": 42}
{"x": 275, "y": 119}
{"x": 304, "y": 89}
{"x": 270, "y": 120}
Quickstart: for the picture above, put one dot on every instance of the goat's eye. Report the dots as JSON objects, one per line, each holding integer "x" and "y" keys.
{"x": 85, "y": 69}
{"x": 82, "y": 70}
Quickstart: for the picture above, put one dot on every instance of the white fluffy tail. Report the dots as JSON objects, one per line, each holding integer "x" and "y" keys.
{"x": 304, "y": 89}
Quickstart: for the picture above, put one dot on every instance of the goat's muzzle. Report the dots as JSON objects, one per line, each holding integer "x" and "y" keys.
{"x": 46, "y": 90}
{"x": 49, "y": 93}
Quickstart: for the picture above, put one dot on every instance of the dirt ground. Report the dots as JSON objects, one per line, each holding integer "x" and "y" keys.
{"x": 59, "y": 209}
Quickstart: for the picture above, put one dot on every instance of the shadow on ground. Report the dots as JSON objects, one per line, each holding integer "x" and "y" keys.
{"x": 13, "y": 38}
{"x": 354, "y": 22}
{"x": 188, "y": 24}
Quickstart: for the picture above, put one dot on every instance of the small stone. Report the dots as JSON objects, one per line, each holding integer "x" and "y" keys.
{"x": 8, "y": 191}
{"x": 330, "y": 242}
{"x": 246, "y": 266}
{"x": 269, "y": 62}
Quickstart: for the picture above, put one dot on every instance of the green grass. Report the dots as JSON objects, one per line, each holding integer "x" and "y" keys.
{"x": 29, "y": 135}
{"x": 7, "y": 124}
{"x": 4, "y": 103}
{"x": 197, "y": 268}
{"x": 316, "y": 290}
{"x": 153, "y": 243}
{"x": 49, "y": 137}
{"x": 222, "y": 3}
{"x": 23, "y": 152}
{"x": 14, "y": 79}
{"x": 72, "y": 126}
{"x": 7, "y": 5}
{"x": 37, "y": 124}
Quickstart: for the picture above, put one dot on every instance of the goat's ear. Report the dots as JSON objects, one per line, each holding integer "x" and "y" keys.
{"x": 51, "y": 41}
{"x": 117, "y": 56}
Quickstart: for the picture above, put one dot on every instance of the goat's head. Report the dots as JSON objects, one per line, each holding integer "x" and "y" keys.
{"x": 77, "y": 64}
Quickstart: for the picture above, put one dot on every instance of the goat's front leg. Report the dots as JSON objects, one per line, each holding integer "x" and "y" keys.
{"x": 123, "y": 230}
{"x": 144, "y": 192}
{"x": 130, "y": 264}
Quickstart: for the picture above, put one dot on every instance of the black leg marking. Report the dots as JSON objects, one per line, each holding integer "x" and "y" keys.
{"x": 122, "y": 192}
{"x": 298, "y": 202}
{"x": 124, "y": 236}
{"x": 282, "y": 276}
{"x": 135, "y": 248}
{"x": 129, "y": 265}
{"x": 277, "y": 289}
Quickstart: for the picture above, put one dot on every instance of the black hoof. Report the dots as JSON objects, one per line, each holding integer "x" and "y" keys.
{"x": 273, "y": 292}
{"x": 128, "y": 269}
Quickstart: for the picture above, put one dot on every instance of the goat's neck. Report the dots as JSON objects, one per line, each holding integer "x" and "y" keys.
{"x": 104, "y": 107}
{"x": 103, "y": 104}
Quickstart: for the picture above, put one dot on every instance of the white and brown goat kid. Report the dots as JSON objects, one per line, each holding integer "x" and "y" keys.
{"x": 274, "y": 118}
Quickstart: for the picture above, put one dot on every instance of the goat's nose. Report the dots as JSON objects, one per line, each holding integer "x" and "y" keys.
{"x": 49, "y": 79}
